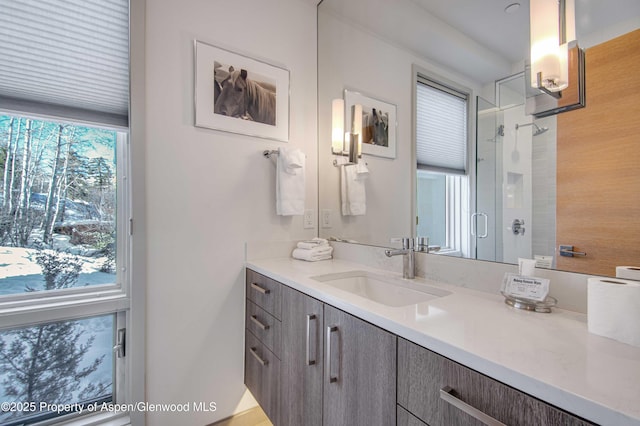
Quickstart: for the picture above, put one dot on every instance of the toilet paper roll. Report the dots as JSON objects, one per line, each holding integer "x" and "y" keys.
{"x": 628, "y": 272}
{"x": 613, "y": 309}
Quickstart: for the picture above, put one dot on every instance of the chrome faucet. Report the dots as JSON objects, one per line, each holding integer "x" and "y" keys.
{"x": 422, "y": 245}
{"x": 409, "y": 259}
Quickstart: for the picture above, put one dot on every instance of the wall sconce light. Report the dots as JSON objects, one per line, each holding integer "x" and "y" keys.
{"x": 552, "y": 24}
{"x": 337, "y": 126}
{"x": 346, "y": 143}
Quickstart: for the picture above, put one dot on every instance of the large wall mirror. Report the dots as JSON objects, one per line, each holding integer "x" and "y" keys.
{"x": 529, "y": 185}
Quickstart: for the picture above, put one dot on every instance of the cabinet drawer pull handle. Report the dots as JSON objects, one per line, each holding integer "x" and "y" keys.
{"x": 446, "y": 394}
{"x": 258, "y": 323}
{"x": 256, "y": 356}
{"x": 310, "y": 317}
{"x": 330, "y": 330}
{"x": 259, "y": 289}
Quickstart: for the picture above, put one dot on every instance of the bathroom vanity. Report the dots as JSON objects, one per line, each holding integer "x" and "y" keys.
{"x": 318, "y": 353}
{"x": 287, "y": 378}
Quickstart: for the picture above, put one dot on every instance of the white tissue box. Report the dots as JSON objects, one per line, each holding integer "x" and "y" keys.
{"x": 613, "y": 309}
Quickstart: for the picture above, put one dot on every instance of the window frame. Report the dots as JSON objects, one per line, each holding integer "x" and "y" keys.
{"x": 133, "y": 305}
{"x": 41, "y": 307}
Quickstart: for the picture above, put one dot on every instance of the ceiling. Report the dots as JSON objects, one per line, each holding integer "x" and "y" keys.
{"x": 477, "y": 35}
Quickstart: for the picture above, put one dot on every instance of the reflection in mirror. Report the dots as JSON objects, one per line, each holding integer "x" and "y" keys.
{"x": 515, "y": 164}
{"x": 441, "y": 140}
{"x": 531, "y": 180}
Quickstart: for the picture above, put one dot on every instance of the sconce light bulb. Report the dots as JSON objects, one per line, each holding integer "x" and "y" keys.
{"x": 356, "y": 126}
{"x": 337, "y": 126}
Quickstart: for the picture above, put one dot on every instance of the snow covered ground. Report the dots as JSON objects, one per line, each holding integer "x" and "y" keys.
{"x": 19, "y": 269}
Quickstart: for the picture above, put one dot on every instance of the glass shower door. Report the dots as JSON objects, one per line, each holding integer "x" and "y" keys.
{"x": 486, "y": 229}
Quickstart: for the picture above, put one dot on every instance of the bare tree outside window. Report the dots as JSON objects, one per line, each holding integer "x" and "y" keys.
{"x": 58, "y": 192}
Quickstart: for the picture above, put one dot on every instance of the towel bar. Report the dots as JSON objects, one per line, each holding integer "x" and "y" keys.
{"x": 268, "y": 153}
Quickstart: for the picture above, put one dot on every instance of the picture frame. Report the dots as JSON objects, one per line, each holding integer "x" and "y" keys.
{"x": 239, "y": 94}
{"x": 378, "y": 123}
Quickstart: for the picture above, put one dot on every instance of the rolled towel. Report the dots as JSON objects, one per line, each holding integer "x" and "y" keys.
{"x": 312, "y": 255}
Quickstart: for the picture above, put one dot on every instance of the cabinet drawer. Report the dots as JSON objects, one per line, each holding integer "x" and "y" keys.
{"x": 264, "y": 326}
{"x": 264, "y": 292}
{"x": 262, "y": 376}
{"x": 405, "y": 418}
{"x": 422, "y": 374}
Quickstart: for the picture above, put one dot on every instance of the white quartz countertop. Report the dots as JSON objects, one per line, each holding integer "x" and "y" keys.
{"x": 550, "y": 356}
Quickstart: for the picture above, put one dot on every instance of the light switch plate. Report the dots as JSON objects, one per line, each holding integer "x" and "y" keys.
{"x": 326, "y": 218}
{"x": 307, "y": 220}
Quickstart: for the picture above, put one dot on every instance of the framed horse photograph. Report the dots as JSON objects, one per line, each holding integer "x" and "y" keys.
{"x": 238, "y": 94}
{"x": 378, "y": 123}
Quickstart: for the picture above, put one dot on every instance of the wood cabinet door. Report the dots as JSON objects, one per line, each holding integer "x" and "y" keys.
{"x": 262, "y": 376}
{"x": 423, "y": 373}
{"x": 405, "y": 418}
{"x": 359, "y": 372}
{"x": 301, "y": 359}
{"x": 264, "y": 292}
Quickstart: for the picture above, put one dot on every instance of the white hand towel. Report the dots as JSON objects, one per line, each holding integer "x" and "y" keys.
{"x": 290, "y": 193}
{"x": 352, "y": 185}
{"x": 313, "y": 243}
{"x": 344, "y": 195}
{"x": 362, "y": 171}
{"x": 312, "y": 255}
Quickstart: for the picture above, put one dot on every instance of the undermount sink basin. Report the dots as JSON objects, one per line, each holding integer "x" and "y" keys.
{"x": 385, "y": 290}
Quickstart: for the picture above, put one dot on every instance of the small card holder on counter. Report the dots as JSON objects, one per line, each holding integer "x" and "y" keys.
{"x": 528, "y": 293}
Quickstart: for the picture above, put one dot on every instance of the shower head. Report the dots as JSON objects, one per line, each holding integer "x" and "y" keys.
{"x": 537, "y": 129}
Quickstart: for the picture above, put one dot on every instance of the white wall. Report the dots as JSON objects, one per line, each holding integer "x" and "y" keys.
{"x": 544, "y": 172}
{"x": 208, "y": 192}
{"x": 517, "y": 193}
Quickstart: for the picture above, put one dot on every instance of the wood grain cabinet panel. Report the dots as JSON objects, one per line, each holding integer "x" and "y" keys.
{"x": 302, "y": 359}
{"x": 264, "y": 292}
{"x": 405, "y": 418}
{"x": 262, "y": 376}
{"x": 359, "y": 372}
{"x": 264, "y": 326}
{"x": 422, "y": 374}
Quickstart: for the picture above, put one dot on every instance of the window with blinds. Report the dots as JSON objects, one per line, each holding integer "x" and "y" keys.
{"x": 441, "y": 128}
{"x": 442, "y": 177}
{"x": 66, "y": 59}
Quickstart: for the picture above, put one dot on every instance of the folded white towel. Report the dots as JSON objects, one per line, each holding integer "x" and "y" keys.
{"x": 312, "y": 255}
{"x": 313, "y": 243}
{"x": 290, "y": 192}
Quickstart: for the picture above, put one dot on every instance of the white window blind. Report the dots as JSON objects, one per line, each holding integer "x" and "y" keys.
{"x": 441, "y": 128}
{"x": 66, "y": 58}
